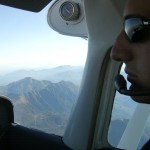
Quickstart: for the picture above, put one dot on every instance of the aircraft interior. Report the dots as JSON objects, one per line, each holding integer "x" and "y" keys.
{"x": 98, "y": 22}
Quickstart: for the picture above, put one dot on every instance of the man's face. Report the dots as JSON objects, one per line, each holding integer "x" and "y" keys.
{"x": 135, "y": 54}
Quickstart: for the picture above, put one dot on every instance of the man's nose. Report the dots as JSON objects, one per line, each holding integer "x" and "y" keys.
{"x": 121, "y": 49}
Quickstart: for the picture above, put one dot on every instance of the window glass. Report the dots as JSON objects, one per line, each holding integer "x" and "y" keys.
{"x": 40, "y": 70}
{"x": 123, "y": 113}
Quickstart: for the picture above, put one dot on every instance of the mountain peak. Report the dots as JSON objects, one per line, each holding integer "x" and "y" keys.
{"x": 25, "y": 85}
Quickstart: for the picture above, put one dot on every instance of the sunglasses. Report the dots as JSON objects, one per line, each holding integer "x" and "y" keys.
{"x": 136, "y": 28}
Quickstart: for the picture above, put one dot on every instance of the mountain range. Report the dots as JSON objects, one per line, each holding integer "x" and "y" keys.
{"x": 56, "y": 74}
{"x": 43, "y": 99}
{"x": 41, "y": 104}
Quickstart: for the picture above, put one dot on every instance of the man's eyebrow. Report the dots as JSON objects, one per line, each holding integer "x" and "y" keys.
{"x": 128, "y": 16}
{"x": 133, "y": 16}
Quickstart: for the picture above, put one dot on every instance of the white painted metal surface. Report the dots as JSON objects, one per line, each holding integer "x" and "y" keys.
{"x": 72, "y": 28}
{"x": 99, "y": 16}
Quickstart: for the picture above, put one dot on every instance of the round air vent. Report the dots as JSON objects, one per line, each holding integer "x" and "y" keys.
{"x": 69, "y": 11}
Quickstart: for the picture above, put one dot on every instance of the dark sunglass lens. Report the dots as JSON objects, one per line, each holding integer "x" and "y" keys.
{"x": 140, "y": 35}
{"x": 132, "y": 26}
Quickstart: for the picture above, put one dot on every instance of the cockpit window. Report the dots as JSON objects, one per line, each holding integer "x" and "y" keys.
{"x": 129, "y": 127}
{"x": 40, "y": 70}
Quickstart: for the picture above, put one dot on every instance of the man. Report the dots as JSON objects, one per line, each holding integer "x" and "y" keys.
{"x": 132, "y": 46}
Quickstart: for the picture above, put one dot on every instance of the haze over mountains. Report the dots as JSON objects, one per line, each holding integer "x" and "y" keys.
{"x": 65, "y": 73}
{"x": 43, "y": 99}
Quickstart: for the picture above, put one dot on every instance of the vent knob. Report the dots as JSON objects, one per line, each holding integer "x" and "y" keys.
{"x": 69, "y": 11}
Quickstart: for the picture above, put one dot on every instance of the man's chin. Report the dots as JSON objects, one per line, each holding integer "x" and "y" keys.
{"x": 139, "y": 99}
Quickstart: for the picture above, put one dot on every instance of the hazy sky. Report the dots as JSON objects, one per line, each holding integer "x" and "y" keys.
{"x": 28, "y": 42}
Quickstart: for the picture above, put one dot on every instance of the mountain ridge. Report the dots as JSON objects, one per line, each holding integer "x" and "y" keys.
{"x": 56, "y": 74}
{"x": 48, "y": 102}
